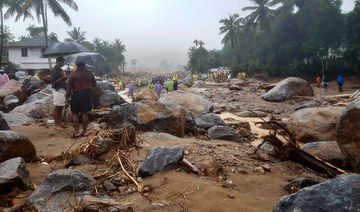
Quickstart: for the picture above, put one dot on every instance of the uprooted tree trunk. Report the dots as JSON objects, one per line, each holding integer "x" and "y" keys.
{"x": 289, "y": 150}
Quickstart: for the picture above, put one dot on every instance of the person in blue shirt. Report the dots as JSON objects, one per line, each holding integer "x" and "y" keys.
{"x": 340, "y": 83}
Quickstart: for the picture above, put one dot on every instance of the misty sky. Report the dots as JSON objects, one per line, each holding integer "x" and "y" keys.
{"x": 152, "y": 30}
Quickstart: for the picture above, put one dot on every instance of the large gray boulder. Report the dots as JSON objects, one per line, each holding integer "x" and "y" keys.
{"x": 208, "y": 120}
{"x": 3, "y": 124}
{"x": 328, "y": 151}
{"x": 14, "y": 144}
{"x": 15, "y": 119}
{"x": 150, "y": 116}
{"x": 54, "y": 191}
{"x": 195, "y": 103}
{"x": 40, "y": 108}
{"x": 348, "y": 133}
{"x": 110, "y": 98}
{"x": 315, "y": 124}
{"x": 13, "y": 87}
{"x": 44, "y": 93}
{"x": 224, "y": 132}
{"x": 11, "y": 102}
{"x": 13, "y": 173}
{"x": 146, "y": 94}
{"x": 287, "y": 88}
{"x": 160, "y": 159}
{"x": 190, "y": 124}
{"x": 104, "y": 86}
{"x": 339, "y": 194}
{"x": 199, "y": 84}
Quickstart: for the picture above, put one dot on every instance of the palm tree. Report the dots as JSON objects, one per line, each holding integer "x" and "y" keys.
{"x": 231, "y": 27}
{"x": 97, "y": 43}
{"x": 201, "y": 43}
{"x": 262, "y": 15}
{"x": 3, "y": 3}
{"x": 119, "y": 47}
{"x": 24, "y": 8}
{"x": 76, "y": 35}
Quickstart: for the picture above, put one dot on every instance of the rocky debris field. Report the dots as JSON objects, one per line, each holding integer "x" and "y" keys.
{"x": 207, "y": 140}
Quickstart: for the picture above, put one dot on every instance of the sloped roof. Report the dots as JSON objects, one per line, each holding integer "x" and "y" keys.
{"x": 33, "y": 42}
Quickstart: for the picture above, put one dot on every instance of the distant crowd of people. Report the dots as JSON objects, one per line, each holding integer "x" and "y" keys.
{"x": 157, "y": 83}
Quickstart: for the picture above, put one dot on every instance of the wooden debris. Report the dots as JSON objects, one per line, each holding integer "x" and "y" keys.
{"x": 191, "y": 166}
{"x": 289, "y": 150}
{"x": 267, "y": 86}
{"x": 355, "y": 95}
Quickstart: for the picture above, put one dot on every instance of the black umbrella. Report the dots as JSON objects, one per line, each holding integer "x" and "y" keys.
{"x": 64, "y": 48}
{"x": 89, "y": 58}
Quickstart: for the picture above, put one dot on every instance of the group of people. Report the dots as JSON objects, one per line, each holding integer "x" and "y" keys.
{"x": 4, "y": 78}
{"x": 73, "y": 90}
{"x": 324, "y": 82}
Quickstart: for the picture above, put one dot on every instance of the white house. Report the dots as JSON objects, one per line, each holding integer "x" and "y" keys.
{"x": 27, "y": 54}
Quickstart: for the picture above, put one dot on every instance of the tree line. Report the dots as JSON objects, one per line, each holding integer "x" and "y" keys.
{"x": 286, "y": 37}
{"x": 24, "y": 9}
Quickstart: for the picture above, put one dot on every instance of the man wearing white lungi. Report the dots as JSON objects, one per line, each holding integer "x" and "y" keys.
{"x": 58, "y": 82}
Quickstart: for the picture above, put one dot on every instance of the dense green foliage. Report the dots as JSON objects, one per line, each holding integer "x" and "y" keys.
{"x": 287, "y": 37}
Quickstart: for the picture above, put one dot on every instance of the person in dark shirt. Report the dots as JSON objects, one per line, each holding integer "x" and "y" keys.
{"x": 58, "y": 82}
{"x": 79, "y": 89}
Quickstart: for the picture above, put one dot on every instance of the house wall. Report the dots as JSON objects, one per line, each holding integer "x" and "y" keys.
{"x": 33, "y": 61}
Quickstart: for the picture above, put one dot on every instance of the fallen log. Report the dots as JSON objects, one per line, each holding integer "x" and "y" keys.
{"x": 267, "y": 86}
{"x": 289, "y": 150}
{"x": 339, "y": 96}
{"x": 355, "y": 95}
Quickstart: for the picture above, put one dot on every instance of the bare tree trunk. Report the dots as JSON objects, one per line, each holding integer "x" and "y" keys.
{"x": 2, "y": 35}
{"x": 45, "y": 26}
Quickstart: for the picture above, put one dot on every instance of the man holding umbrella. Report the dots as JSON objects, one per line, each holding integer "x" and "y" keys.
{"x": 58, "y": 82}
{"x": 79, "y": 89}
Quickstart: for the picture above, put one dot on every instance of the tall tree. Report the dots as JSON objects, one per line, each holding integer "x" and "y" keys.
{"x": 76, "y": 35}
{"x": 25, "y": 8}
{"x": 231, "y": 28}
{"x": 35, "y": 31}
{"x": 3, "y": 3}
{"x": 261, "y": 15}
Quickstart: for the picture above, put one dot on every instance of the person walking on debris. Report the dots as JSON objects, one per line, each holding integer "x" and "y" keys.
{"x": 4, "y": 78}
{"x": 79, "y": 89}
{"x": 340, "y": 83}
{"x": 175, "y": 84}
{"x": 58, "y": 83}
{"x": 158, "y": 88}
{"x": 121, "y": 85}
{"x": 131, "y": 89}
{"x": 318, "y": 81}
{"x": 170, "y": 85}
{"x": 324, "y": 81}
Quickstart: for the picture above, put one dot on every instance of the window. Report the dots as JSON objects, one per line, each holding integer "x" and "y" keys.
{"x": 24, "y": 52}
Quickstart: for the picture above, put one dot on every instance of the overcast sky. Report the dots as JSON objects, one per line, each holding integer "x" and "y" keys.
{"x": 152, "y": 30}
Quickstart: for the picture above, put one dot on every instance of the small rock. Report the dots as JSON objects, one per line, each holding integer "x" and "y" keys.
{"x": 300, "y": 183}
{"x": 109, "y": 186}
{"x": 213, "y": 168}
{"x": 231, "y": 196}
{"x": 259, "y": 169}
{"x": 13, "y": 172}
{"x": 266, "y": 167}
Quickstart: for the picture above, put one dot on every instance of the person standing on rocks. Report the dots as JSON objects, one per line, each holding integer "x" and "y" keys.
{"x": 340, "y": 83}
{"x": 131, "y": 89}
{"x": 175, "y": 84}
{"x": 3, "y": 78}
{"x": 158, "y": 88}
{"x": 79, "y": 89}
{"x": 58, "y": 83}
{"x": 170, "y": 85}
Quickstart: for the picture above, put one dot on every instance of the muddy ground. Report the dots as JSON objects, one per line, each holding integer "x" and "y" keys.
{"x": 237, "y": 188}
